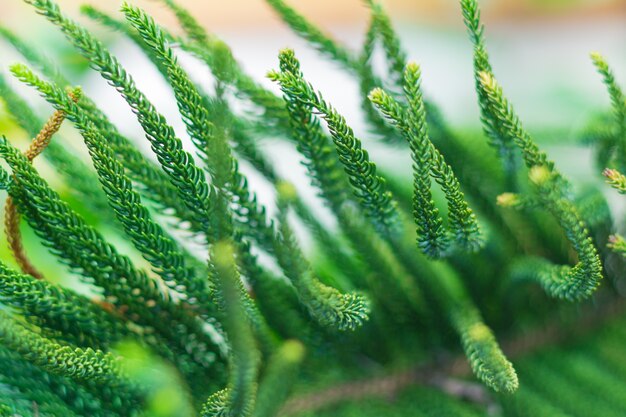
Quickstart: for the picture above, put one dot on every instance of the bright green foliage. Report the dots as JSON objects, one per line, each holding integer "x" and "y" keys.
{"x": 432, "y": 239}
{"x": 616, "y": 179}
{"x": 201, "y": 300}
{"x": 505, "y": 129}
{"x": 323, "y": 168}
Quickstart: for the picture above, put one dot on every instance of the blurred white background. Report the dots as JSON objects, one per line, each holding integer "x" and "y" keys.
{"x": 539, "y": 48}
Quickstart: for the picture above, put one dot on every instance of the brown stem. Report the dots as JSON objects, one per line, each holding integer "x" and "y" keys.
{"x": 12, "y": 216}
{"x": 14, "y": 237}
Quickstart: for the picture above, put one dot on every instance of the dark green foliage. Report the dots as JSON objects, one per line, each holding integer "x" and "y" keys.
{"x": 64, "y": 313}
{"x": 213, "y": 145}
{"x": 216, "y": 306}
{"x": 148, "y": 237}
{"x": 75, "y": 363}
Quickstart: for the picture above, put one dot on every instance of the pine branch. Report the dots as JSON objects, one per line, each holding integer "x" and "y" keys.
{"x": 34, "y": 196}
{"x": 322, "y": 165}
{"x": 168, "y": 260}
{"x": 432, "y": 239}
{"x": 618, "y": 101}
{"x": 481, "y": 348}
{"x": 223, "y": 167}
{"x": 428, "y": 161}
{"x": 213, "y": 146}
{"x": 12, "y": 217}
{"x": 59, "y": 309}
{"x": 463, "y": 222}
{"x": 326, "y": 304}
{"x": 312, "y": 34}
{"x": 275, "y": 384}
{"x": 368, "y": 187}
{"x": 72, "y": 169}
{"x": 179, "y": 165}
{"x": 571, "y": 283}
{"x": 493, "y": 129}
{"x": 153, "y": 183}
{"x": 239, "y": 397}
{"x": 221, "y": 324}
{"x": 78, "y": 364}
{"x": 98, "y": 262}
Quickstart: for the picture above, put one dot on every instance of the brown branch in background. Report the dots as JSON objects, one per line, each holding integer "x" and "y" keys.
{"x": 14, "y": 237}
{"x": 445, "y": 374}
{"x": 12, "y": 216}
